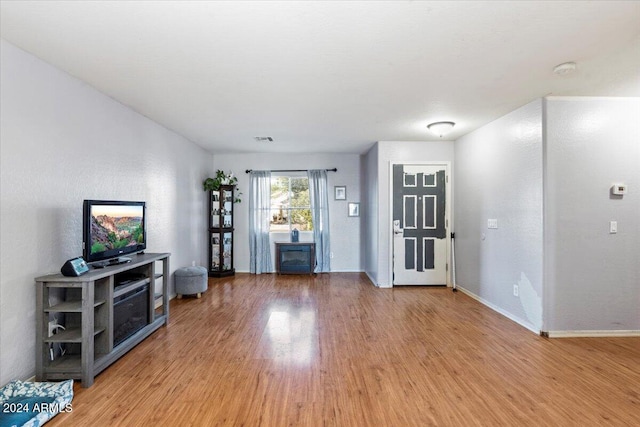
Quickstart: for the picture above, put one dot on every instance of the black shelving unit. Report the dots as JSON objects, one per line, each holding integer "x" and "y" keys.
{"x": 221, "y": 231}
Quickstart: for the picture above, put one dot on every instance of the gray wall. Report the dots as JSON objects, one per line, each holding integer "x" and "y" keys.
{"x": 345, "y": 230}
{"x": 499, "y": 176}
{"x": 592, "y": 278}
{"x": 62, "y": 142}
{"x": 371, "y": 225}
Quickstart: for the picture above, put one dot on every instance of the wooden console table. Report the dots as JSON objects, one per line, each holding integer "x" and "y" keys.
{"x": 84, "y": 307}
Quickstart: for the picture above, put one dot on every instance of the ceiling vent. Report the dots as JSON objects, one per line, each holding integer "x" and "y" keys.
{"x": 263, "y": 139}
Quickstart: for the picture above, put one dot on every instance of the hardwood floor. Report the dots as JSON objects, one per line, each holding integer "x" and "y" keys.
{"x": 336, "y": 351}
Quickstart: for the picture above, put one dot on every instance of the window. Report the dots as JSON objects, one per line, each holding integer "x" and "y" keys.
{"x": 290, "y": 207}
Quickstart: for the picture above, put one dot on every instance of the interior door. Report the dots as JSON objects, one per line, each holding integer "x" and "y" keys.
{"x": 419, "y": 224}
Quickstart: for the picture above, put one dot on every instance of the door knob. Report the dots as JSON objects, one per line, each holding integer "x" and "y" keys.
{"x": 396, "y": 227}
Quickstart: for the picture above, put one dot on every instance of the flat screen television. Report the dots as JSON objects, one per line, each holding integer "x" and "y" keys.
{"x": 112, "y": 229}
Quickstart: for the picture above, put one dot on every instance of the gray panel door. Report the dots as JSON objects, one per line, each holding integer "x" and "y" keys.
{"x": 419, "y": 224}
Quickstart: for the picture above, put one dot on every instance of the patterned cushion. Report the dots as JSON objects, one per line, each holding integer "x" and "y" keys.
{"x": 32, "y": 404}
{"x": 18, "y": 410}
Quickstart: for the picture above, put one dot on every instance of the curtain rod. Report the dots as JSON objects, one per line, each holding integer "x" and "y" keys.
{"x": 294, "y": 170}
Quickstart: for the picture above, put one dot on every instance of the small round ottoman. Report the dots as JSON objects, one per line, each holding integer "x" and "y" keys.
{"x": 191, "y": 280}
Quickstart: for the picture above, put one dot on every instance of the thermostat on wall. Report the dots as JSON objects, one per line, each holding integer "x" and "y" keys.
{"x": 619, "y": 189}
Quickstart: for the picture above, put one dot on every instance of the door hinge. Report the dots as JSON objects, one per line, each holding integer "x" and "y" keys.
{"x": 447, "y": 179}
{"x": 447, "y": 269}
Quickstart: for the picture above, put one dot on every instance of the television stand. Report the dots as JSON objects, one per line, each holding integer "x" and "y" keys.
{"x": 93, "y": 308}
{"x": 112, "y": 261}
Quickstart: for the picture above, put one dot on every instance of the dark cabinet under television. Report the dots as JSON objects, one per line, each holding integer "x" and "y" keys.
{"x": 295, "y": 258}
{"x": 221, "y": 231}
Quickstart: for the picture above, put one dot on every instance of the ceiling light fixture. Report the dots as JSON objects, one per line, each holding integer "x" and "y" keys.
{"x": 441, "y": 128}
{"x": 564, "y": 68}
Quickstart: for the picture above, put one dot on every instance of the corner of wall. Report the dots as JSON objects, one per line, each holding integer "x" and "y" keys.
{"x": 498, "y": 176}
{"x": 590, "y": 273}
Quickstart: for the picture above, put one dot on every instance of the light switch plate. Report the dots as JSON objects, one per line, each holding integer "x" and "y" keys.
{"x": 613, "y": 227}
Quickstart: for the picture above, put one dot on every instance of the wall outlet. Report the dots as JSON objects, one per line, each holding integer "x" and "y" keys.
{"x": 516, "y": 290}
{"x": 492, "y": 223}
{"x": 331, "y": 255}
{"x": 193, "y": 263}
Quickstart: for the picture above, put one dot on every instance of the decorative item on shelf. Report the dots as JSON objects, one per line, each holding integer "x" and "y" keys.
{"x": 222, "y": 178}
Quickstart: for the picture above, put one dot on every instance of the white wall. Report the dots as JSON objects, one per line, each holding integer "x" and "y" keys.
{"x": 62, "y": 142}
{"x": 499, "y": 176}
{"x": 398, "y": 152}
{"x": 345, "y": 231}
{"x": 371, "y": 223}
{"x": 592, "y": 278}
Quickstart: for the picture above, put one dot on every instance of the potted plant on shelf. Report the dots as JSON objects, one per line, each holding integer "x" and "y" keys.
{"x": 222, "y": 178}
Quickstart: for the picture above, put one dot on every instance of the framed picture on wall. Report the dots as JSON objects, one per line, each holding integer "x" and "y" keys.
{"x": 340, "y": 192}
{"x": 354, "y": 209}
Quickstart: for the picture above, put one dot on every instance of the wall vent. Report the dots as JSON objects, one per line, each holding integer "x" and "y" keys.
{"x": 263, "y": 139}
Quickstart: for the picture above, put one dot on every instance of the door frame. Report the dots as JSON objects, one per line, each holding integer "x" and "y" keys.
{"x": 447, "y": 213}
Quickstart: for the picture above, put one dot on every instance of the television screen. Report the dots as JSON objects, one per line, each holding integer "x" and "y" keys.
{"x": 113, "y": 228}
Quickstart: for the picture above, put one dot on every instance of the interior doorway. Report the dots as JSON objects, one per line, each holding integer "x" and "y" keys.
{"x": 420, "y": 220}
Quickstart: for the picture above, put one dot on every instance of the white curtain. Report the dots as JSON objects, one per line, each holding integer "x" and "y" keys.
{"x": 319, "y": 197}
{"x": 259, "y": 205}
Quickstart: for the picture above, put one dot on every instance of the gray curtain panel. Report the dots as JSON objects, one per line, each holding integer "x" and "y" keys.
{"x": 259, "y": 206}
{"x": 319, "y": 197}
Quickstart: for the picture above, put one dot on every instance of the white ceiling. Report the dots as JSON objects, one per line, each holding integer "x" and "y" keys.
{"x": 330, "y": 76}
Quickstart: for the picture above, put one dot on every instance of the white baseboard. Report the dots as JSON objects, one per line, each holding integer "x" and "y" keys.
{"x": 332, "y": 271}
{"x": 499, "y": 310}
{"x": 373, "y": 282}
{"x": 249, "y": 272}
{"x": 593, "y": 334}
